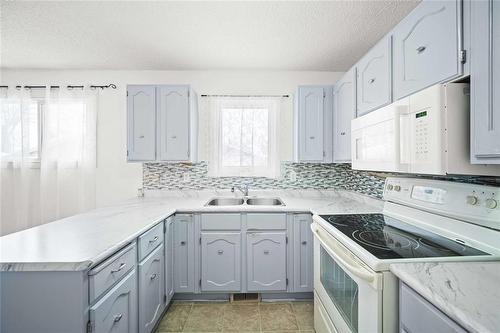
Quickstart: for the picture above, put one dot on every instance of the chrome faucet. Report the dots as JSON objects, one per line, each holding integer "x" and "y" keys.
{"x": 243, "y": 189}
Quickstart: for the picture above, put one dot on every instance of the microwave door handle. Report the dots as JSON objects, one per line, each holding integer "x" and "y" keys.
{"x": 339, "y": 256}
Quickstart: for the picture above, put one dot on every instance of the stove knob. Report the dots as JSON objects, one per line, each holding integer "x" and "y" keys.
{"x": 472, "y": 200}
{"x": 491, "y": 203}
{"x": 397, "y": 188}
{"x": 390, "y": 187}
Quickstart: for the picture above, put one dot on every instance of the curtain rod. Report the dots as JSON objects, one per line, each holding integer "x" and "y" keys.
{"x": 111, "y": 85}
{"x": 285, "y": 96}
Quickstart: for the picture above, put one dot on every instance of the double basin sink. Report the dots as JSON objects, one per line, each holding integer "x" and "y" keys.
{"x": 245, "y": 201}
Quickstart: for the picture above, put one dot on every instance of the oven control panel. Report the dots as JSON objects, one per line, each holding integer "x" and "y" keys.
{"x": 479, "y": 204}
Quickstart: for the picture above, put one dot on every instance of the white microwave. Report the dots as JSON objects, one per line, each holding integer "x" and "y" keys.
{"x": 425, "y": 133}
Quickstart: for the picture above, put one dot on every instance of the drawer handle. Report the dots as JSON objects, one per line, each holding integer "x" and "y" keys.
{"x": 220, "y": 252}
{"x": 183, "y": 243}
{"x": 371, "y": 80}
{"x": 154, "y": 239}
{"x": 311, "y": 137}
{"x": 153, "y": 276}
{"x": 141, "y": 137}
{"x": 266, "y": 251}
{"x": 304, "y": 242}
{"x": 122, "y": 266}
{"x": 343, "y": 133}
{"x": 174, "y": 137}
{"x": 421, "y": 49}
{"x": 118, "y": 317}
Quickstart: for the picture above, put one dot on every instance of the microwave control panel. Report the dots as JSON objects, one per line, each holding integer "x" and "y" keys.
{"x": 422, "y": 131}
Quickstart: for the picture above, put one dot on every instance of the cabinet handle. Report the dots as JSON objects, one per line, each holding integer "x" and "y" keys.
{"x": 154, "y": 239}
{"x": 311, "y": 137}
{"x": 183, "y": 243}
{"x": 174, "y": 137}
{"x": 304, "y": 242}
{"x": 220, "y": 252}
{"x": 421, "y": 49}
{"x": 266, "y": 251}
{"x": 141, "y": 137}
{"x": 153, "y": 276}
{"x": 122, "y": 266}
{"x": 342, "y": 133}
{"x": 118, "y": 317}
{"x": 371, "y": 80}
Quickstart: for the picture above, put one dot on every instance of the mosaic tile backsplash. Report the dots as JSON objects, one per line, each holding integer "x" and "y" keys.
{"x": 171, "y": 176}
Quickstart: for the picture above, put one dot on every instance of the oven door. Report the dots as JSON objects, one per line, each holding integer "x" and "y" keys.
{"x": 350, "y": 292}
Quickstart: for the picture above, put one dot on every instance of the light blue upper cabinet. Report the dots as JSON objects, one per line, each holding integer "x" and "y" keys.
{"x": 162, "y": 123}
{"x": 141, "y": 119}
{"x": 344, "y": 111}
{"x": 221, "y": 261}
{"x": 373, "y": 78}
{"x": 485, "y": 82}
{"x": 313, "y": 124}
{"x": 426, "y": 47}
{"x": 173, "y": 123}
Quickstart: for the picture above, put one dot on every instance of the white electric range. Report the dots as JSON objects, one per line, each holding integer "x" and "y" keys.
{"x": 422, "y": 220}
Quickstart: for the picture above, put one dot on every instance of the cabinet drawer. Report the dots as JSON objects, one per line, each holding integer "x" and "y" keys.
{"x": 374, "y": 78}
{"x": 418, "y": 315}
{"x": 266, "y": 221}
{"x": 103, "y": 276}
{"x": 117, "y": 310}
{"x": 149, "y": 240}
{"x": 426, "y": 47}
{"x": 221, "y": 222}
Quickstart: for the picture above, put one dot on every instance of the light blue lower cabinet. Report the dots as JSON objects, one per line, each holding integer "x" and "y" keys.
{"x": 169, "y": 259}
{"x": 221, "y": 261}
{"x": 303, "y": 271}
{"x": 117, "y": 310}
{"x": 151, "y": 290}
{"x": 266, "y": 261}
{"x": 184, "y": 254}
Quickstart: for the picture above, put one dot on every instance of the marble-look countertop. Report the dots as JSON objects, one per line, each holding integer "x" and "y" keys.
{"x": 79, "y": 242}
{"x": 468, "y": 292}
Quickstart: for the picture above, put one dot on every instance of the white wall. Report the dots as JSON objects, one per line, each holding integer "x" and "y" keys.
{"x": 118, "y": 180}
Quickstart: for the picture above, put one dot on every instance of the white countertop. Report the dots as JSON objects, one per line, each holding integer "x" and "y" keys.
{"x": 468, "y": 292}
{"x": 78, "y": 242}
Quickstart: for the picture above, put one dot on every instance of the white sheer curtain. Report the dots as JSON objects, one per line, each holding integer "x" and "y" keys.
{"x": 243, "y": 136}
{"x": 48, "y": 155}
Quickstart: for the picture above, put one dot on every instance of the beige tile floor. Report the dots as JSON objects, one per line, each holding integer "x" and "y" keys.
{"x": 238, "y": 317}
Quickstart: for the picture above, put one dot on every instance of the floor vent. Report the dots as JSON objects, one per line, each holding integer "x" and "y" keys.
{"x": 245, "y": 297}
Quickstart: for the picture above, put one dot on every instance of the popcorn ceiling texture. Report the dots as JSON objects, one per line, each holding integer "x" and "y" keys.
{"x": 169, "y": 176}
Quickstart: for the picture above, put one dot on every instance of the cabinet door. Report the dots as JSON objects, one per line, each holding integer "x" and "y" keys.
{"x": 303, "y": 273}
{"x": 184, "y": 254}
{"x": 141, "y": 119}
{"x": 117, "y": 310}
{"x": 310, "y": 121}
{"x": 485, "y": 82}
{"x": 344, "y": 110}
{"x": 151, "y": 289}
{"x": 426, "y": 46}
{"x": 220, "y": 261}
{"x": 266, "y": 261}
{"x": 169, "y": 258}
{"x": 173, "y": 123}
{"x": 373, "y": 78}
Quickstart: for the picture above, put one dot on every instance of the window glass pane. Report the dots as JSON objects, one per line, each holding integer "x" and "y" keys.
{"x": 245, "y": 137}
{"x": 71, "y": 130}
{"x": 19, "y": 130}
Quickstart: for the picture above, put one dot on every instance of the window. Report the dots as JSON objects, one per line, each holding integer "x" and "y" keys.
{"x": 245, "y": 137}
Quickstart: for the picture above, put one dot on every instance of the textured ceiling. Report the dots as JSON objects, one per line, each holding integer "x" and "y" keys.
{"x": 182, "y": 35}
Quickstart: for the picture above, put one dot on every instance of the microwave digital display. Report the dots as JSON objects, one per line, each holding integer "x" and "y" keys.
{"x": 421, "y": 114}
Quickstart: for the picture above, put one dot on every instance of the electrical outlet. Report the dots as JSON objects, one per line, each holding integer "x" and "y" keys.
{"x": 292, "y": 176}
{"x": 186, "y": 177}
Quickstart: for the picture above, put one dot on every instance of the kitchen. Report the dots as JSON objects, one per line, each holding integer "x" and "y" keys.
{"x": 177, "y": 166}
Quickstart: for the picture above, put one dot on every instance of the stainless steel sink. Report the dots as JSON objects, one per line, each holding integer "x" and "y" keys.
{"x": 225, "y": 202}
{"x": 242, "y": 201}
{"x": 265, "y": 202}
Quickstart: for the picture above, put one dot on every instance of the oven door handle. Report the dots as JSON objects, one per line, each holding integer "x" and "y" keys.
{"x": 338, "y": 254}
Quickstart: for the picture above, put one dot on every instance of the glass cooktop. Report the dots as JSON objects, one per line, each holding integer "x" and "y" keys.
{"x": 389, "y": 238}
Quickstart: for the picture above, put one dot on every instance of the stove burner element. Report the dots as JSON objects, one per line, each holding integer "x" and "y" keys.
{"x": 389, "y": 238}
